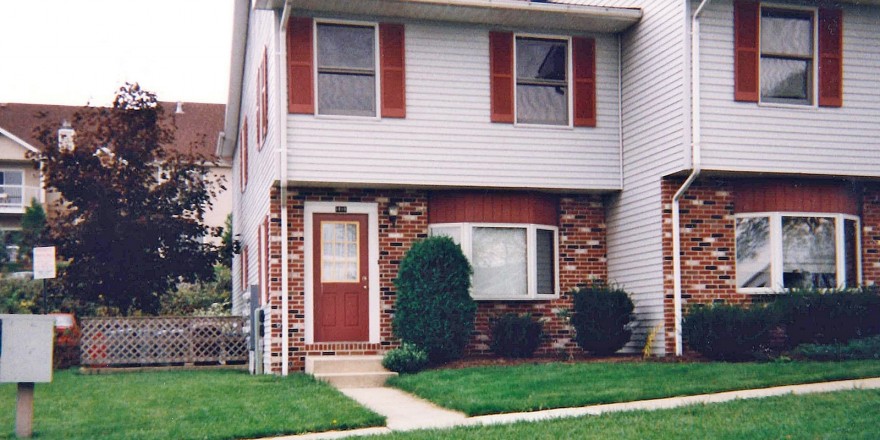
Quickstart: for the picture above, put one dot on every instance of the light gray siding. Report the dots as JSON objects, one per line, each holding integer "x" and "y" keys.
{"x": 655, "y": 138}
{"x": 761, "y": 138}
{"x": 447, "y": 138}
{"x": 252, "y": 205}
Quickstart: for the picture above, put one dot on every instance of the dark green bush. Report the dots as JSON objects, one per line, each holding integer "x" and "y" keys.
{"x": 866, "y": 348}
{"x": 728, "y": 332}
{"x": 434, "y": 308}
{"x": 828, "y": 317}
{"x": 516, "y": 336}
{"x": 602, "y": 318}
{"x": 408, "y": 358}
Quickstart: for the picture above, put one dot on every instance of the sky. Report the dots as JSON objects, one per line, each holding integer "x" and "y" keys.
{"x": 78, "y": 52}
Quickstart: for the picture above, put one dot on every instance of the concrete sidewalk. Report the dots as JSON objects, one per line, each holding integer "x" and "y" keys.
{"x": 405, "y": 412}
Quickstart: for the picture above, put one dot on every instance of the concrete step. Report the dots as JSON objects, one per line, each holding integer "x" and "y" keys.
{"x": 344, "y": 364}
{"x": 356, "y": 380}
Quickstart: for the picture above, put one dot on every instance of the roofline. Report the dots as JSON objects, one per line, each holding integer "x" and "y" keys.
{"x": 226, "y": 139}
{"x": 18, "y": 140}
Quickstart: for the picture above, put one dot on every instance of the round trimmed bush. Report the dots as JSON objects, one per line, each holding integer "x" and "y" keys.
{"x": 516, "y": 336}
{"x": 408, "y": 358}
{"x": 602, "y": 316}
{"x": 434, "y": 308}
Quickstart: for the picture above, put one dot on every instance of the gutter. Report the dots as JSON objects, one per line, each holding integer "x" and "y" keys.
{"x": 281, "y": 87}
{"x": 226, "y": 139}
{"x": 695, "y": 172}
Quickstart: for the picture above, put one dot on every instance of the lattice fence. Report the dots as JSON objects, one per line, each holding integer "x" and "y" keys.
{"x": 144, "y": 341}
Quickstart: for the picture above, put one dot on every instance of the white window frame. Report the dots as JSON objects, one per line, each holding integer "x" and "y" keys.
{"x": 466, "y": 230}
{"x": 4, "y": 203}
{"x": 814, "y": 87}
{"x": 376, "y": 74}
{"x": 776, "y": 263}
{"x": 569, "y": 72}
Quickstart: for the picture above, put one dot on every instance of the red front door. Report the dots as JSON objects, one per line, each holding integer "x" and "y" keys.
{"x": 341, "y": 278}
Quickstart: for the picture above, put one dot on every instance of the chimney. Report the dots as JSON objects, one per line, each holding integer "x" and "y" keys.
{"x": 179, "y": 108}
{"x": 65, "y": 136}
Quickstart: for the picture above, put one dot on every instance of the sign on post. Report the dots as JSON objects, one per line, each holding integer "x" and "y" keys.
{"x": 44, "y": 262}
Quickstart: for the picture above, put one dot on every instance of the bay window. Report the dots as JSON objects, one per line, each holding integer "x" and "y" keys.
{"x": 510, "y": 261}
{"x": 777, "y": 251}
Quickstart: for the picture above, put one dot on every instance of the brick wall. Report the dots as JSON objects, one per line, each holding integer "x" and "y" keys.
{"x": 582, "y": 258}
{"x": 581, "y": 253}
{"x": 871, "y": 235}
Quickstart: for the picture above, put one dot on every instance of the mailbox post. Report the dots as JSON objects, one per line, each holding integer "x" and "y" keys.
{"x": 25, "y": 359}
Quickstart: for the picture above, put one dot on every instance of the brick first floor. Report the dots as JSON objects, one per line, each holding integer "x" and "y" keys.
{"x": 739, "y": 241}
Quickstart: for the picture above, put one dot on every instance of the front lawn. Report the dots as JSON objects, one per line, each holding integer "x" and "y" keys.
{"x": 530, "y": 387}
{"x": 841, "y": 415}
{"x": 183, "y": 405}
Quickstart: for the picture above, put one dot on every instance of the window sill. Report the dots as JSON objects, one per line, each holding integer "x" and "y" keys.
{"x": 348, "y": 118}
{"x": 543, "y": 126}
{"x": 803, "y": 107}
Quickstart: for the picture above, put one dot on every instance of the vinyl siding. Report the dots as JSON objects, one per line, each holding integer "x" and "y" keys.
{"x": 252, "y": 205}
{"x": 447, "y": 139}
{"x": 741, "y": 136}
{"x": 655, "y": 138}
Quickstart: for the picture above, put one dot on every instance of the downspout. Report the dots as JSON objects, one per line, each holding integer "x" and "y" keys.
{"x": 620, "y": 107}
{"x": 280, "y": 86}
{"x": 695, "y": 172}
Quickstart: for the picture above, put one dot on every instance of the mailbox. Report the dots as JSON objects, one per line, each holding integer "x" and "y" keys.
{"x": 26, "y": 348}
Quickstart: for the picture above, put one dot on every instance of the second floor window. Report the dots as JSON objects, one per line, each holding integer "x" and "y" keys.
{"x": 542, "y": 91}
{"x": 346, "y": 69}
{"x": 787, "y": 42}
{"x": 11, "y": 188}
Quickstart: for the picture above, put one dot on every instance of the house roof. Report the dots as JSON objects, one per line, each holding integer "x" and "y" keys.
{"x": 196, "y": 120}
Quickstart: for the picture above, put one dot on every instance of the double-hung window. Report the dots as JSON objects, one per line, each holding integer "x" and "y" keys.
{"x": 542, "y": 81}
{"x": 787, "y": 56}
{"x": 510, "y": 261}
{"x": 777, "y": 251}
{"x": 11, "y": 189}
{"x": 346, "y": 66}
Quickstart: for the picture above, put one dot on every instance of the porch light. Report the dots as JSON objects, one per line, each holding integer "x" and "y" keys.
{"x": 393, "y": 211}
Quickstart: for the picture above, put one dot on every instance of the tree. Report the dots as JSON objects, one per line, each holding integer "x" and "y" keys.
{"x": 33, "y": 230}
{"x": 131, "y": 214}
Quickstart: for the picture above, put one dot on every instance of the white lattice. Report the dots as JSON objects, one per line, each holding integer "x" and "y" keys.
{"x": 163, "y": 340}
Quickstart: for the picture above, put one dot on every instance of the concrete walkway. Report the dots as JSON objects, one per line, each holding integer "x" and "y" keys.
{"x": 405, "y": 412}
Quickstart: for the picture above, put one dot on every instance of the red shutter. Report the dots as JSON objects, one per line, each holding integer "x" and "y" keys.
{"x": 300, "y": 66}
{"x": 584, "y": 50}
{"x": 830, "y": 57}
{"x": 393, "y": 71}
{"x": 746, "y": 22}
{"x": 501, "y": 76}
{"x": 264, "y": 95}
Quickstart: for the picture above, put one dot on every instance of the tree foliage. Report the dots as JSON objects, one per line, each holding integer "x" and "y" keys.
{"x": 132, "y": 214}
{"x": 33, "y": 230}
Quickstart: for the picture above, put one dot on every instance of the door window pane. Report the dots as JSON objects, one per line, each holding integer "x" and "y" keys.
{"x": 546, "y": 256}
{"x": 499, "y": 260}
{"x": 809, "y": 255}
{"x": 340, "y": 252}
{"x": 753, "y": 252}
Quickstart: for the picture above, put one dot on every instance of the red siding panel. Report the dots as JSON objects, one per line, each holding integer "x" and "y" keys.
{"x": 830, "y": 57}
{"x": 300, "y": 59}
{"x": 584, "y": 58}
{"x": 501, "y": 76}
{"x": 788, "y": 196}
{"x": 392, "y": 63}
{"x": 746, "y": 20}
{"x": 493, "y": 207}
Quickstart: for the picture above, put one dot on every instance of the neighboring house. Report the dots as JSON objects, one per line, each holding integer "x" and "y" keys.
{"x": 21, "y": 183}
{"x": 670, "y": 147}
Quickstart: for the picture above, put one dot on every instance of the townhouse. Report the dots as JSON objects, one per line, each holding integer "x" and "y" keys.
{"x": 690, "y": 151}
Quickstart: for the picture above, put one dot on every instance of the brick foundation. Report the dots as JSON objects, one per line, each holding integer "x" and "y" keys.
{"x": 581, "y": 254}
{"x": 708, "y": 245}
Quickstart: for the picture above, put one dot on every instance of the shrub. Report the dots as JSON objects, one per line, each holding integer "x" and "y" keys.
{"x": 866, "y": 348}
{"x": 20, "y": 295}
{"x": 516, "y": 336}
{"x": 602, "y": 317}
{"x": 434, "y": 308}
{"x": 727, "y": 332}
{"x": 828, "y": 317}
{"x": 407, "y": 359}
{"x": 205, "y": 298}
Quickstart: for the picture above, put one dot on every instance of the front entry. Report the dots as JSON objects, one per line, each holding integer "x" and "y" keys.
{"x": 341, "y": 280}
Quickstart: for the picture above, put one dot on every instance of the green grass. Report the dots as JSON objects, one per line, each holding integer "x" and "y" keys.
{"x": 842, "y": 415}
{"x": 183, "y": 405}
{"x": 530, "y": 387}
